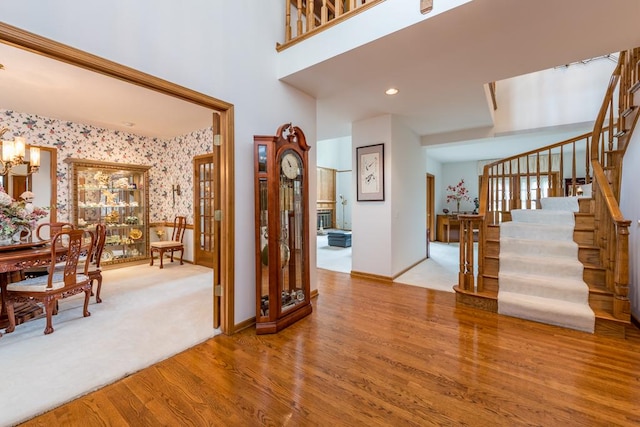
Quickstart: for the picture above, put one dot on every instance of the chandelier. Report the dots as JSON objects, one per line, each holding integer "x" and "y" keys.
{"x": 13, "y": 154}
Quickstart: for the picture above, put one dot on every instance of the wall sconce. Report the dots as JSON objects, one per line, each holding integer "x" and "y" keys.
{"x": 13, "y": 154}
{"x": 175, "y": 188}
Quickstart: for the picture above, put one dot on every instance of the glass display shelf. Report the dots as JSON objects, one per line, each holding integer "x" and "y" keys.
{"x": 115, "y": 195}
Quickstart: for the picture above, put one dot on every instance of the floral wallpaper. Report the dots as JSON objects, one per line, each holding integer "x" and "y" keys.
{"x": 171, "y": 159}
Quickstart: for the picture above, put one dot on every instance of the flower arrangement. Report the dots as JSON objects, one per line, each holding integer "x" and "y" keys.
{"x": 16, "y": 214}
{"x": 160, "y": 232}
{"x": 457, "y": 193}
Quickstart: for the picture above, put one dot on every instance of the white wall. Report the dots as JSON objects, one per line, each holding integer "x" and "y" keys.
{"x": 408, "y": 197}
{"x": 389, "y": 236}
{"x": 554, "y": 97}
{"x": 198, "y": 47}
{"x": 630, "y": 206}
{"x": 452, "y": 173}
{"x": 371, "y": 235}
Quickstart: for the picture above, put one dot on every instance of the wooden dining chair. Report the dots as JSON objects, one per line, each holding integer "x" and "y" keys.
{"x": 94, "y": 271}
{"x": 47, "y": 230}
{"x": 56, "y": 286}
{"x": 173, "y": 245}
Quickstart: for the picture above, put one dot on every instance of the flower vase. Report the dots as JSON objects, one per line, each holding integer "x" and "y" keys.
{"x": 6, "y": 240}
{"x": 22, "y": 234}
{"x": 458, "y": 206}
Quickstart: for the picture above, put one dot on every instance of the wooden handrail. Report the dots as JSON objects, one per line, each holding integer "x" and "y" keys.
{"x": 609, "y": 198}
{"x": 330, "y": 14}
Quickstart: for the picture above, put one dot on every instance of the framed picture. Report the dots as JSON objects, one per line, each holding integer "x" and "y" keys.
{"x": 370, "y": 167}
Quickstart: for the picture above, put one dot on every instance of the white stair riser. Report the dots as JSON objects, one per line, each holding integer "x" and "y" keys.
{"x": 547, "y": 267}
{"x": 541, "y": 216}
{"x": 539, "y": 248}
{"x": 568, "y": 316}
{"x": 536, "y": 231}
{"x": 571, "y": 292}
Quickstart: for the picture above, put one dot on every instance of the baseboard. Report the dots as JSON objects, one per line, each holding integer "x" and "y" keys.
{"x": 243, "y": 325}
{"x": 408, "y": 268}
{"x": 369, "y": 276}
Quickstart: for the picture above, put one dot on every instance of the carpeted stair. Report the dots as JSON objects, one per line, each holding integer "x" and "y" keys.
{"x": 540, "y": 276}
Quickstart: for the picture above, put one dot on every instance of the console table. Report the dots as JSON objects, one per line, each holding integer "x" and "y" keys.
{"x": 448, "y": 229}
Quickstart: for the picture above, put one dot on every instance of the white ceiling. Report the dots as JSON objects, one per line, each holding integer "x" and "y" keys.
{"x": 440, "y": 66}
{"x": 40, "y": 85}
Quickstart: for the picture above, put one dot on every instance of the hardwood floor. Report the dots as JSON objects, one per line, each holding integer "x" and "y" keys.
{"x": 376, "y": 354}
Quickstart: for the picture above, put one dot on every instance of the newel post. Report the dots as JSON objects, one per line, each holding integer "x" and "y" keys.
{"x": 621, "y": 305}
{"x": 465, "y": 275}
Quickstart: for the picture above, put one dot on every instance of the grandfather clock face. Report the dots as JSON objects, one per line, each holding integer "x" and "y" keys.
{"x": 291, "y": 228}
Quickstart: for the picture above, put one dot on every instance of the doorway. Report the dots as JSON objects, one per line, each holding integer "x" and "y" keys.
{"x": 431, "y": 202}
{"x": 225, "y": 170}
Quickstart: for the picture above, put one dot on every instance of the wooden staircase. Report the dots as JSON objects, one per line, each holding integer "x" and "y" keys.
{"x": 600, "y": 298}
{"x": 601, "y": 231}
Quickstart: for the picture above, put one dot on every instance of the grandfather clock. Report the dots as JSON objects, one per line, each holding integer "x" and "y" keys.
{"x": 281, "y": 229}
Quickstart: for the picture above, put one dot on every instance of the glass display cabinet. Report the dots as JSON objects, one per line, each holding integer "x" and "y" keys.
{"x": 116, "y": 195}
{"x": 281, "y": 229}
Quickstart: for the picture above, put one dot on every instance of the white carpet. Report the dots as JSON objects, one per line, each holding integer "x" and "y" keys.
{"x": 540, "y": 274}
{"x": 439, "y": 271}
{"x": 146, "y": 316}
{"x": 332, "y": 258}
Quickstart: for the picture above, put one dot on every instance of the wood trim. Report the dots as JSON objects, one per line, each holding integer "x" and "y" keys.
{"x": 58, "y": 51}
{"x": 369, "y": 276}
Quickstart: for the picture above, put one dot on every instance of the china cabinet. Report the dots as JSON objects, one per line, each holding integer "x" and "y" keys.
{"x": 281, "y": 229}
{"x": 116, "y": 195}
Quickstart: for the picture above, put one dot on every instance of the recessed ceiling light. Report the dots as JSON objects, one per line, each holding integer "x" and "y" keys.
{"x": 391, "y": 91}
{"x": 128, "y": 124}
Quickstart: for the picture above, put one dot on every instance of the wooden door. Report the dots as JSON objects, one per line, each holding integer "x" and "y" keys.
{"x": 431, "y": 203}
{"x": 206, "y": 230}
{"x": 204, "y": 219}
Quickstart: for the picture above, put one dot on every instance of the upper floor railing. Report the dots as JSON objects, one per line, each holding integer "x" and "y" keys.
{"x": 303, "y": 18}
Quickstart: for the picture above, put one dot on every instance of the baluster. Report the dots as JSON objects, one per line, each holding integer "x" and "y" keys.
{"x": 311, "y": 23}
{"x": 549, "y": 174}
{"x": 324, "y": 13}
{"x": 526, "y": 158}
{"x": 519, "y": 178}
{"x": 299, "y": 22}
{"x": 287, "y": 25}
{"x": 339, "y": 10}
{"x": 587, "y": 162}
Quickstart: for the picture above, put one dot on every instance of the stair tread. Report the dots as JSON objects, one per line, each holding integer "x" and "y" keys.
{"x": 547, "y": 303}
{"x": 544, "y": 280}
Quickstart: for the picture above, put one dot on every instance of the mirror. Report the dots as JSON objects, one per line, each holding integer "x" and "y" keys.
{"x": 42, "y": 183}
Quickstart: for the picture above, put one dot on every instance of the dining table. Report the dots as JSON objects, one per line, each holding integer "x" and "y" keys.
{"x": 14, "y": 259}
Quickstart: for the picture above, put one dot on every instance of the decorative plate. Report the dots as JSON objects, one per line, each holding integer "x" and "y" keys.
{"x": 135, "y": 234}
{"x": 107, "y": 255}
